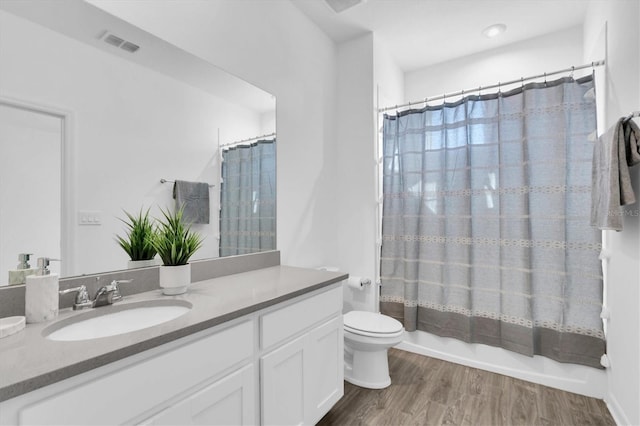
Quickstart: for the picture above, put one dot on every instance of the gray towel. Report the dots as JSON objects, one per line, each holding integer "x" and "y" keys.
{"x": 631, "y": 140}
{"x": 194, "y": 198}
{"x": 613, "y": 154}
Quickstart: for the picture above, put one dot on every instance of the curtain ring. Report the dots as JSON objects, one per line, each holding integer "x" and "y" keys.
{"x": 499, "y": 88}
{"x": 573, "y": 68}
{"x": 479, "y": 90}
{"x": 545, "y": 79}
{"x": 522, "y": 82}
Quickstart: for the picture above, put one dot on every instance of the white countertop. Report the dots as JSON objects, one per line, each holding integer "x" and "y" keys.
{"x": 29, "y": 361}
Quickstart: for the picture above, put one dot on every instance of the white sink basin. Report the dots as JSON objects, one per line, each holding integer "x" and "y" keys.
{"x": 117, "y": 319}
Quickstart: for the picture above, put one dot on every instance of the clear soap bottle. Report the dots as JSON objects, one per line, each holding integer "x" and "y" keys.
{"x": 41, "y": 297}
{"x": 19, "y": 275}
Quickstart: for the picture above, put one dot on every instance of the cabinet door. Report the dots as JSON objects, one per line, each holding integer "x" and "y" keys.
{"x": 229, "y": 401}
{"x": 326, "y": 369}
{"x": 283, "y": 384}
{"x": 304, "y": 378}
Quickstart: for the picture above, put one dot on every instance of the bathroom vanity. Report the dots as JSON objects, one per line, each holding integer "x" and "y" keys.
{"x": 259, "y": 347}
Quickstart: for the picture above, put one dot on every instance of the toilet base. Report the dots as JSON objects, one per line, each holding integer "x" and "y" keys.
{"x": 371, "y": 369}
{"x": 367, "y": 385}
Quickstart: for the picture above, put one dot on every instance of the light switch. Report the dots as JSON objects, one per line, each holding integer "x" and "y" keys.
{"x": 89, "y": 217}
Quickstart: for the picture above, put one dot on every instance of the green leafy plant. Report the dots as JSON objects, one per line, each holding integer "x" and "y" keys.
{"x": 138, "y": 242}
{"x": 174, "y": 240}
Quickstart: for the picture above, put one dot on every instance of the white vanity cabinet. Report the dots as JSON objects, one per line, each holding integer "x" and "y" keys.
{"x": 302, "y": 380}
{"x": 279, "y": 365}
{"x": 179, "y": 385}
{"x": 301, "y": 367}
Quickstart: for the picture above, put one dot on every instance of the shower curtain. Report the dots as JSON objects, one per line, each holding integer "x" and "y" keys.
{"x": 248, "y": 198}
{"x": 486, "y": 234}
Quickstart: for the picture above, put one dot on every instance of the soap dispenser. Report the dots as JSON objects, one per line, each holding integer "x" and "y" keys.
{"x": 19, "y": 275}
{"x": 41, "y": 297}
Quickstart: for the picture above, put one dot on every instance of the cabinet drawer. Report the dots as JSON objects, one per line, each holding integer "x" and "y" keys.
{"x": 286, "y": 322}
{"x": 143, "y": 386}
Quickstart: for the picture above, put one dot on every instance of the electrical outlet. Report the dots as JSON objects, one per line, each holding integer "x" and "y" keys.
{"x": 89, "y": 217}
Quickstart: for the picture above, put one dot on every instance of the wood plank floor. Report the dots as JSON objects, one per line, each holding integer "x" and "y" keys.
{"x": 428, "y": 391}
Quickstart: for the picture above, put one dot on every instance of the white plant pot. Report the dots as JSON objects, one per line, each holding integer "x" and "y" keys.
{"x": 132, "y": 264}
{"x": 175, "y": 279}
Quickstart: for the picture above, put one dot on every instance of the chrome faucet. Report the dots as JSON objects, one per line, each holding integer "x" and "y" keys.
{"x": 106, "y": 295}
{"x": 82, "y": 298}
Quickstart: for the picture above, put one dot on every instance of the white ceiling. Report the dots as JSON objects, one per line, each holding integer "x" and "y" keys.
{"x": 420, "y": 33}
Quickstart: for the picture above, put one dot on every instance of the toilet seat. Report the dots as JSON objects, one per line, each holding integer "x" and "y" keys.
{"x": 371, "y": 324}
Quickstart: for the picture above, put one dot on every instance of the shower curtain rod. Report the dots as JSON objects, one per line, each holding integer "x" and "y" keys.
{"x": 248, "y": 140}
{"x": 493, "y": 86}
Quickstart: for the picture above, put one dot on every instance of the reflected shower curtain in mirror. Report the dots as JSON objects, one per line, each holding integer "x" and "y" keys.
{"x": 486, "y": 234}
{"x": 248, "y": 198}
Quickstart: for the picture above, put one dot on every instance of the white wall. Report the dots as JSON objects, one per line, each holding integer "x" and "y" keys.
{"x": 612, "y": 27}
{"x": 389, "y": 78}
{"x": 133, "y": 126}
{"x": 367, "y": 75}
{"x": 355, "y": 196}
{"x": 531, "y": 57}
{"x": 274, "y": 46}
{"x": 389, "y": 90}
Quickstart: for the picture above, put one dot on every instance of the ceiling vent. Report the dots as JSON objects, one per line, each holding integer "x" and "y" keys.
{"x": 129, "y": 47}
{"x": 342, "y": 5}
{"x": 116, "y": 41}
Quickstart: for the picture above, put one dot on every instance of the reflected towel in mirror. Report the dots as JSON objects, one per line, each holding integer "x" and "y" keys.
{"x": 194, "y": 198}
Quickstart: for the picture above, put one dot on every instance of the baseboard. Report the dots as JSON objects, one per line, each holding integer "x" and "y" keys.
{"x": 616, "y": 411}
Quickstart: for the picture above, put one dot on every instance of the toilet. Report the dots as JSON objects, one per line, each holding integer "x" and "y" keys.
{"x": 367, "y": 337}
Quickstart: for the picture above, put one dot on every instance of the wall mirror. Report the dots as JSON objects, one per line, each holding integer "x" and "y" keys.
{"x": 130, "y": 110}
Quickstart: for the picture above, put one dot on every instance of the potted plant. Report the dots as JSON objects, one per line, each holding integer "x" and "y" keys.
{"x": 138, "y": 243}
{"x": 176, "y": 243}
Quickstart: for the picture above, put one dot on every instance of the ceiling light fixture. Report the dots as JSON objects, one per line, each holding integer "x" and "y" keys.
{"x": 494, "y": 30}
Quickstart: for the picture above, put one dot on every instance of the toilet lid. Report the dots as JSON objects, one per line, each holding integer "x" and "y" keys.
{"x": 371, "y": 322}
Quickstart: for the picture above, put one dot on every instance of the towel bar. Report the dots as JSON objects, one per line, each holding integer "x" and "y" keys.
{"x": 173, "y": 181}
